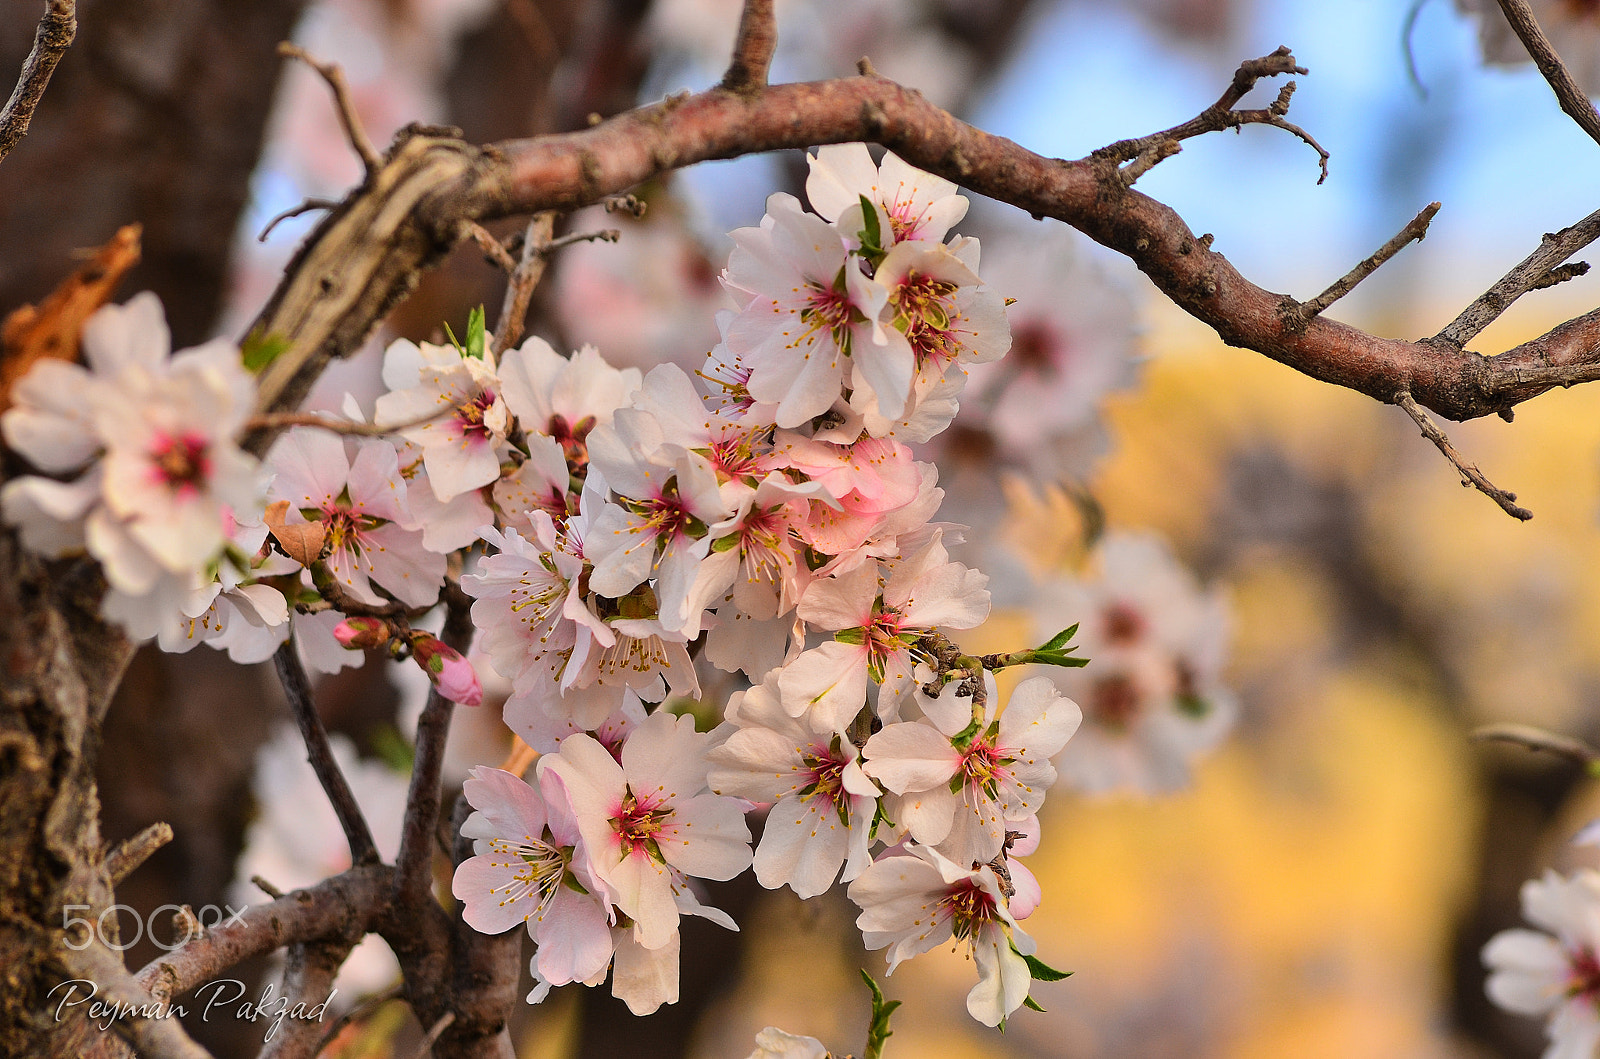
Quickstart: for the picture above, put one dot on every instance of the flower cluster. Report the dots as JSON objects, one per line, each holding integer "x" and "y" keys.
{"x": 603, "y": 523}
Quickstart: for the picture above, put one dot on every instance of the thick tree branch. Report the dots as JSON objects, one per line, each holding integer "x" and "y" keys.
{"x": 308, "y": 976}
{"x": 367, "y": 254}
{"x": 363, "y": 850}
{"x": 352, "y": 900}
{"x": 54, "y": 36}
{"x": 1573, "y": 99}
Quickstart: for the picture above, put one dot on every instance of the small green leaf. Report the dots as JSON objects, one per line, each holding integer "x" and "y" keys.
{"x": 261, "y": 349}
{"x": 1060, "y": 639}
{"x": 1031, "y": 1004}
{"x": 477, "y": 334}
{"x": 1057, "y": 658}
{"x": 1043, "y": 972}
{"x": 872, "y": 233}
{"x": 878, "y": 1030}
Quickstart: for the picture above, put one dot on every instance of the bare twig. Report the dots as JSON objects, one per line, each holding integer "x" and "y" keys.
{"x": 1562, "y": 273}
{"x": 1530, "y": 271}
{"x": 130, "y": 853}
{"x": 266, "y": 887}
{"x": 54, "y": 36}
{"x": 492, "y": 248}
{"x": 1573, "y": 99}
{"x": 525, "y": 276}
{"x": 298, "y": 690}
{"x": 443, "y": 1023}
{"x": 1469, "y": 472}
{"x": 144, "y": 1020}
{"x": 602, "y": 235}
{"x": 1221, "y": 115}
{"x": 752, "y": 50}
{"x": 294, "y": 211}
{"x": 1416, "y": 230}
{"x": 413, "y": 877}
{"x": 331, "y": 73}
{"x": 281, "y": 420}
{"x": 1533, "y": 738}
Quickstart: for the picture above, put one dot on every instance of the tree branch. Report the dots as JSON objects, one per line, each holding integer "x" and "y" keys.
{"x": 348, "y": 118}
{"x": 363, "y": 850}
{"x": 1416, "y": 230}
{"x": 1573, "y": 99}
{"x": 351, "y": 900}
{"x": 1469, "y": 472}
{"x": 308, "y": 976}
{"x": 129, "y": 854}
{"x": 1530, "y": 273}
{"x": 525, "y": 276}
{"x": 150, "y": 1029}
{"x": 54, "y": 36}
{"x": 753, "y": 48}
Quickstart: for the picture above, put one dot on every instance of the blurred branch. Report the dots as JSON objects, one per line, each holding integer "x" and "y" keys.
{"x": 348, "y": 118}
{"x": 308, "y": 976}
{"x": 1526, "y": 735}
{"x": 1574, "y": 101}
{"x": 753, "y": 48}
{"x": 525, "y": 276}
{"x": 156, "y": 1036}
{"x": 54, "y": 36}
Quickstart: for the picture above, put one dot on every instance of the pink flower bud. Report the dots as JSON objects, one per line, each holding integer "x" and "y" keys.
{"x": 452, "y": 674}
{"x": 356, "y": 633}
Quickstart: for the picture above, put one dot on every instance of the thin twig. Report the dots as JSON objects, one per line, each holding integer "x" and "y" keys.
{"x": 1573, "y": 99}
{"x": 266, "y": 887}
{"x": 439, "y": 1027}
{"x": 54, "y": 36}
{"x": 1527, "y": 735}
{"x": 603, "y": 235}
{"x": 294, "y": 211}
{"x": 1221, "y": 115}
{"x": 413, "y": 876}
{"x": 1553, "y": 250}
{"x": 753, "y": 48}
{"x": 524, "y": 278}
{"x": 125, "y": 859}
{"x": 1507, "y": 501}
{"x": 1566, "y": 375}
{"x": 361, "y": 1010}
{"x": 1415, "y": 231}
{"x": 492, "y": 248}
{"x": 346, "y": 106}
{"x": 308, "y": 975}
{"x": 298, "y": 690}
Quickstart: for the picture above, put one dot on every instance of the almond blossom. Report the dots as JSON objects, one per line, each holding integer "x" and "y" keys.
{"x": 919, "y": 206}
{"x": 960, "y": 787}
{"x": 913, "y": 901}
{"x": 648, "y": 820}
{"x": 1555, "y": 972}
{"x": 463, "y": 444}
{"x": 825, "y": 805}
{"x": 530, "y": 869}
{"x": 875, "y": 623}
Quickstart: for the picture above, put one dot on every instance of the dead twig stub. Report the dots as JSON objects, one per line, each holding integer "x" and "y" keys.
{"x": 1469, "y": 472}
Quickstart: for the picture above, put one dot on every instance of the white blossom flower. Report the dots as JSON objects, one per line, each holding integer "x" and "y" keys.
{"x": 1534, "y": 973}
{"x": 648, "y": 819}
{"x": 960, "y": 788}
{"x": 825, "y": 803}
{"x": 920, "y": 206}
{"x": 461, "y": 446}
{"x": 529, "y": 869}
{"x": 773, "y": 1043}
{"x": 913, "y": 901}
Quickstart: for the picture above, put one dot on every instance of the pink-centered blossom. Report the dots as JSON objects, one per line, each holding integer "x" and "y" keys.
{"x": 465, "y": 421}
{"x": 914, "y": 901}
{"x": 918, "y": 205}
{"x": 648, "y": 820}
{"x": 1554, "y": 971}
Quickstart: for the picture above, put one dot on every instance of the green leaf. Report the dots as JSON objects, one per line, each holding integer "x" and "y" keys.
{"x": 261, "y": 349}
{"x": 878, "y": 1030}
{"x": 1061, "y": 639}
{"x": 1031, "y": 1004}
{"x": 477, "y": 334}
{"x": 1059, "y": 658}
{"x": 1043, "y": 972}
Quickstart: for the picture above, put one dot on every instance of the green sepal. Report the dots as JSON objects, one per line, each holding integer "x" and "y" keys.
{"x": 725, "y": 543}
{"x": 1032, "y": 1004}
{"x": 454, "y": 341}
{"x": 1059, "y": 658}
{"x": 855, "y": 637}
{"x": 261, "y": 349}
{"x": 963, "y": 739}
{"x": 1043, "y": 972}
{"x": 878, "y": 1029}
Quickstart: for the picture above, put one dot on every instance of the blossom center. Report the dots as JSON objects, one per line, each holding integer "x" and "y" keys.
{"x": 828, "y": 309}
{"x": 470, "y": 416}
{"x": 637, "y": 822}
{"x": 1583, "y": 975}
{"x": 970, "y": 906}
{"x": 537, "y": 868}
{"x": 825, "y": 768}
{"x": 925, "y": 310}
{"x": 1124, "y": 624}
{"x": 983, "y": 764}
{"x": 181, "y": 462}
